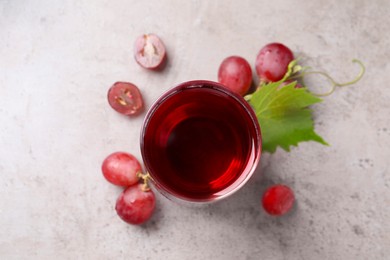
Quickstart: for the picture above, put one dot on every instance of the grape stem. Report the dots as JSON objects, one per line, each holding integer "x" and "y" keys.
{"x": 145, "y": 177}
{"x": 334, "y": 84}
{"x": 296, "y": 71}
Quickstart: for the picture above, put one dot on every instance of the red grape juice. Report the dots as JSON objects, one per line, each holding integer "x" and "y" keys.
{"x": 200, "y": 141}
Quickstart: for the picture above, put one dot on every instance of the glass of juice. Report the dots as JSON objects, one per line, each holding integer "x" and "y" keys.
{"x": 200, "y": 142}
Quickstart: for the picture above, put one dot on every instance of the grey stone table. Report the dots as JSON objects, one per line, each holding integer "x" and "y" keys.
{"x": 57, "y": 61}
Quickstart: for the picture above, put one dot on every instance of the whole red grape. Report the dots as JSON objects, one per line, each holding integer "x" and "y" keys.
{"x": 236, "y": 74}
{"x": 278, "y": 200}
{"x": 297, "y": 84}
{"x": 272, "y": 62}
{"x": 134, "y": 205}
{"x": 121, "y": 169}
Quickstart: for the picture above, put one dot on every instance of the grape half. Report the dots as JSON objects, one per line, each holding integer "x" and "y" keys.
{"x": 149, "y": 51}
{"x": 125, "y": 98}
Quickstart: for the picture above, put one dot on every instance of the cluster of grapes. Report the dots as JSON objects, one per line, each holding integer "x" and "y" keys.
{"x": 271, "y": 65}
{"x": 275, "y": 62}
{"x": 136, "y": 203}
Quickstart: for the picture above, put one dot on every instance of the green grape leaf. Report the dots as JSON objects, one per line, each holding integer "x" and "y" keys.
{"x": 284, "y": 115}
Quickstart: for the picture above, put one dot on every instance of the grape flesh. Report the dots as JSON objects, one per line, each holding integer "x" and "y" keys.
{"x": 278, "y": 200}
{"x": 121, "y": 169}
{"x": 149, "y": 51}
{"x": 125, "y": 98}
{"x": 272, "y": 62}
{"x": 134, "y": 205}
{"x": 236, "y": 74}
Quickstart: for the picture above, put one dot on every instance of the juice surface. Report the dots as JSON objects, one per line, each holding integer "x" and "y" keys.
{"x": 198, "y": 142}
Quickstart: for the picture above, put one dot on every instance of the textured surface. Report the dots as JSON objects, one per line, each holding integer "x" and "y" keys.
{"x": 57, "y": 61}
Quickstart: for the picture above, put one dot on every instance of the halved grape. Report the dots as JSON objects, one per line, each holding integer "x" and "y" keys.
{"x": 125, "y": 98}
{"x": 149, "y": 51}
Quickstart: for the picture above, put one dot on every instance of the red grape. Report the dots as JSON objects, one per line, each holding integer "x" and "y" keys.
{"x": 272, "y": 62}
{"x": 236, "y": 74}
{"x": 134, "y": 205}
{"x": 278, "y": 200}
{"x": 121, "y": 169}
{"x": 297, "y": 84}
{"x": 149, "y": 51}
{"x": 125, "y": 98}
